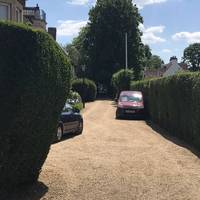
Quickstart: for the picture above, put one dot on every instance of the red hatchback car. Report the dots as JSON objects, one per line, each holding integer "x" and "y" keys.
{"x": 130, "y": 103}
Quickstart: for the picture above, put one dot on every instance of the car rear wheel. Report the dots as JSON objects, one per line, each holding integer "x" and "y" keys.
{"x": 59, "y": 133}
{"x": 118, "y": 116}
{"x": 80, "y": 128}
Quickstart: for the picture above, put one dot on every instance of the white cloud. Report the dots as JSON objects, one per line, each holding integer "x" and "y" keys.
{"x": 70, "y": 27}
{"x": 81, "y": 2}
{"x": 150, "y": 34}
{"x": 189, "y": 37}
{"x": 142, "y": 3}
{"x": 166, "y": 51}
{"x": 139, "y": 3}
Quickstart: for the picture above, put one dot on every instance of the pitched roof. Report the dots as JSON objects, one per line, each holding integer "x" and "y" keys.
{"x": 159, "y": 72}
{"x": 184, "y": 66}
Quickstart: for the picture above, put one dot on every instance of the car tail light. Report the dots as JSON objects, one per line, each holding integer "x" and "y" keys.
{"x": 120, "y": 104}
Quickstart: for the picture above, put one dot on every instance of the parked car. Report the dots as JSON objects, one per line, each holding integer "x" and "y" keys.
{"x": 70, "y": 121}
{"x": 130, "y": 103}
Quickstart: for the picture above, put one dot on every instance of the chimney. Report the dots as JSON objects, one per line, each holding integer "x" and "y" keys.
{"x": 23, "y": 3}
{"x": 174, "y": 59}
{"x": 37, "y": 12}
{"x": 53, "y": 32}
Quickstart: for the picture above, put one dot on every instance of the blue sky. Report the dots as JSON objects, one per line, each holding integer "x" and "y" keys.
{"x": 169, "y": 25}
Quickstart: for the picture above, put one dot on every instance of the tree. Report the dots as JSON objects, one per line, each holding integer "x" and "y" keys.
{"x": 151, "y": 61}
{"x": 74, "y": 57}
{"x": 192, "y": 56}
{"x": 147, "y": 52}
{"x": 103, "y": 40}
{"x": 77, "y": 53}
{"x": 73, "y": 54}
{"x": 146, "y": 55}
{"x": 155, "y": 62}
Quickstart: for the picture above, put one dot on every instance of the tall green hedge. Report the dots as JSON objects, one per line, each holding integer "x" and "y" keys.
{"x": 86, "y": 88}
{"x": 34, "y": 83}
{"x": 174, "y": 103}
{"x": 121, "y": 80}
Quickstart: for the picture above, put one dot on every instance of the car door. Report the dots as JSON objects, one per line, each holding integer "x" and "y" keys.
{"x": 67, "y": 119}
{"x": 75, "y": 121}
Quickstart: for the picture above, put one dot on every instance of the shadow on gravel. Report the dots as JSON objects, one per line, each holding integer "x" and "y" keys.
{"x": 173, "y": 139}
{"x": 70, "y": 136}
{"x": 31, "y": 192}
{"x": 103, "y": 99}
{"x": 66, "y": 137}
{"x": 131, "y": 118}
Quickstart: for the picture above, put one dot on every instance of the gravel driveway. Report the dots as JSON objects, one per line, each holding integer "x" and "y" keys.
{"x": 118, "y": 160}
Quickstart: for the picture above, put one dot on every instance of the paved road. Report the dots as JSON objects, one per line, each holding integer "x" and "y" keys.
{"x": 119, "y": 160}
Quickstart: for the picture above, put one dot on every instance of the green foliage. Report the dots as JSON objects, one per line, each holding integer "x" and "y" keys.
{"x": 122, "y": 80}
{"x": 78, "y": 106}
{"x": 150, "y": 61}
{"x": 75, "y": 100}
{"x": 77, "y": 53}
{"x": 147, "y": 52}
{"x": 86, "y": 88}
{"x": 102, "y": 42}
{"x": 174, "y": 103}
{"x": 73, "y": 54}
{"x": 155, "y": 62}
{"x": 192, "y": 56}
{"x": 34, "y": 81}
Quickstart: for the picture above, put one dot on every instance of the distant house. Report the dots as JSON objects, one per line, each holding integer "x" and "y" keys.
{"x": 35, "y": 16}
{"x": 169, "y": 69}
{"x": 16, "y": 10}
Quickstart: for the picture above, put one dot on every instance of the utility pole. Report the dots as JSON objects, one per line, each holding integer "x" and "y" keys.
{"x": 84, "y": 96}
{"x": 126, "y": 49}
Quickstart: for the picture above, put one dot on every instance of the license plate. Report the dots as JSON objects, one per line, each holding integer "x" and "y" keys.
{"x": 130, "y": 111}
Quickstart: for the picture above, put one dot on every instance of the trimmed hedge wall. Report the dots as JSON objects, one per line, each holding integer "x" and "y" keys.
{"x": 174, "y": 103}
{"x": 34, "y": 84}
{"x": 86, "y": 88}
{"x": 121, "y": 80}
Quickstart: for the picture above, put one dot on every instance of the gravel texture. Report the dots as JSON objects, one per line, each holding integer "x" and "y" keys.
{"x": 117, "y": 160}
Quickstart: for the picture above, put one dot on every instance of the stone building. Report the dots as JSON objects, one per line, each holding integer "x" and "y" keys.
{"x": 35, "y": 17}
{"x": 16, "y": 10}
{"x": 12, "y": 10}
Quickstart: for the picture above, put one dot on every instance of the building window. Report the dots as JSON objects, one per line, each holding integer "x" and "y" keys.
{"x": 18, "y": 15}
{"x": 4, "y": 11}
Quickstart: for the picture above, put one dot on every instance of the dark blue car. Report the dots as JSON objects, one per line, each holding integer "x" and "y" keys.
{"x": 70, "y": 121}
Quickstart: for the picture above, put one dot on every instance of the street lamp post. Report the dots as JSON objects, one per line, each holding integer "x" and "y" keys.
{"x": 83, "y": 70}
{"x": 126, "y": 50}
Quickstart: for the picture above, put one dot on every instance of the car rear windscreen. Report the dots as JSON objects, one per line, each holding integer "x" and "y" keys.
{"x": 131, "y": 98}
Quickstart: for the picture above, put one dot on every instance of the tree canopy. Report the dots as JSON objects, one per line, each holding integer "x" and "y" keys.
{"x": 101, "y": 43}
{"x": 192, "y": 56}
{"x": 147, "y": 52}
{"x": 149, "y": 60}
{"x": 154, "y": 62}
{"x": 77, "y": 52}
